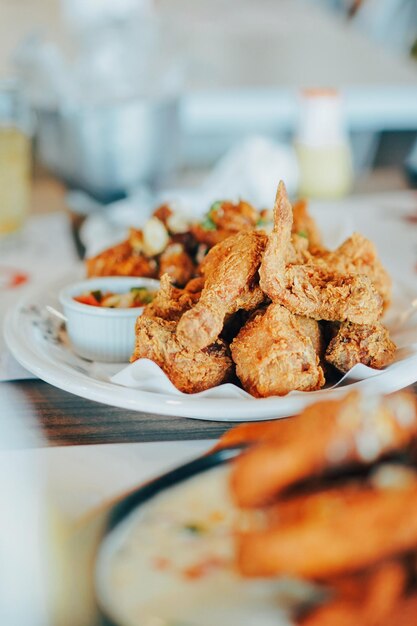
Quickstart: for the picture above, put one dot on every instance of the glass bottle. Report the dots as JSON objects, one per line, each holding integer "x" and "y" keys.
{"x": 322, "y": 146}
{"x": 15, "y": 157}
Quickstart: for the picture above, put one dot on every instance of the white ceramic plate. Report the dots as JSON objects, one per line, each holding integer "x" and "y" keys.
{"x": 38, "y": 342}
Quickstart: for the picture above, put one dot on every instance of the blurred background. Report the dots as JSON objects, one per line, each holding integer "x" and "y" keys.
{"x": 142, "y": 93}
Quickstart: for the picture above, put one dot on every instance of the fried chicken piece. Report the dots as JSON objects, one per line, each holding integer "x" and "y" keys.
{"x": 298, "y": 252}
{"x": 305, "y": 226}
{"x": 319, "y": 293}
{"x": 365, "y": 599}
{"x": 358, "y": 255}
{"x": 188, "y": 369}
{"x": 312, "y": 329}
{"x": 355, "y": 255}
{"x": 163, "y": 212}
{"x": 274, "y": 353}
{"x": 223, "y": 220}
{"x": 333, "y": 531}
{"x": 367, "y": 344}
{"x": 234, "y": 217}
{"x": 171, "y": 302}
{"x": 249, "y": 433}
{"x": 209, "y": 237}
{"x": 403, "y": 614}
{"x": 195, "y": 285}
{"x": 312, "y": 290}
{"x": 327, "y": 436}
{"x": 175, "y": 262}
{"x": 121, "y": 260}
{"x": 278, "y": 247}
{"x": 231, "y": 283}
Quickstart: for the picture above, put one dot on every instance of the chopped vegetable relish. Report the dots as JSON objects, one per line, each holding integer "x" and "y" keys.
{"x": 136, "y": 297}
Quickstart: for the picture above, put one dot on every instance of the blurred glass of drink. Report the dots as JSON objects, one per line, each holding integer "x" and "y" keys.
{"x": 15, "y": 158}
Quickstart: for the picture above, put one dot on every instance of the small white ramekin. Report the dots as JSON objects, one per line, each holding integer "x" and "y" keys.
{"x": 99, "y": 333}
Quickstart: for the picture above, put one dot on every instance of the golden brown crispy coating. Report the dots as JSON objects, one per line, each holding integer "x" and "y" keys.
{"x": 305, "y": 226}
{"x": 225, "y": 219}
{"x": 312, "y": 329}
{"x": 298, "y": 252}
{"x": 234, "y": 217}
{"x": 355, "y": 255}
{"x": 248, "y": 433}
{"x": 189, "y": 370}
{"x": 121, "y": 260}
{"x": 327, "y": 435}
{"x": 230, "y": 272}
{"x": 272, "y": 270}
{"x": 209, "y": 238}
{"x": 403, "y": 614}
{"x": 367, "y": 344}
{"x": 195, "y": 285}
{"x": 319, "y": 293}
{"x": 333, "y": 531}
{"x": 170, "y": 302}
{"x": 274, "y": 354}
{"x": 311, "y": 289}
{"x": 175, "y": 262}
{"x": 163, "y": 213}
{"x": 364, "y": 599}
{"x": 358, "y": 255}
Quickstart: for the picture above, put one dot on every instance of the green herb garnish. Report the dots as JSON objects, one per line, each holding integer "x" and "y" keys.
{"x": 303, "y": 233}
{"x": 214, "y": 208}
{"x": 208, "y": 224}
{"x": 142, "y": 294}
{"x": 97, "y": 295}
{"x": 194, "y": 529}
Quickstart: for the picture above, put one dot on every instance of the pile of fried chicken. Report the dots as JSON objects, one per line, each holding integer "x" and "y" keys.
{"x": 340, "y": 512}
{"x": 276, "y": 312}
{"x": 170, "y": 244}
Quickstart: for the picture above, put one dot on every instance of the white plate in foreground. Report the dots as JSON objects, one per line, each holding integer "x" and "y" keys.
{"x": 36, "y": 341}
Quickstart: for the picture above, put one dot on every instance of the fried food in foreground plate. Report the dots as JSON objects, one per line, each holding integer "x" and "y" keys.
{"x": 338, "y": 491}
{"x": 247, "y": 434}
{"x": 190, "y": 370}
{"x": 327, "y": 435}
{"x": 275, "y": 354}
{"x": 365, "y": 599}
{"x": 231, "y": 284}
{"x": 343, "y": 613}
{"x": 403, "y": 614}
{"x": 369, "y": 344}
{"x": 311, "y": 289}
{"x": 333, "y": 531}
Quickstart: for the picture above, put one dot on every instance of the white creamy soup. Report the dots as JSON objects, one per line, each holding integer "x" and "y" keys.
{"x": 170, "y": 563}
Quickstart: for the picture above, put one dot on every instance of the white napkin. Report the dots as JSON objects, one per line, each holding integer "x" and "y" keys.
{"x": 145, "y": 375}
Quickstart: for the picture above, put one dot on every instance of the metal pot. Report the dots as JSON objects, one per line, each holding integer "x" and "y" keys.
{"x": 107, "y": 149}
